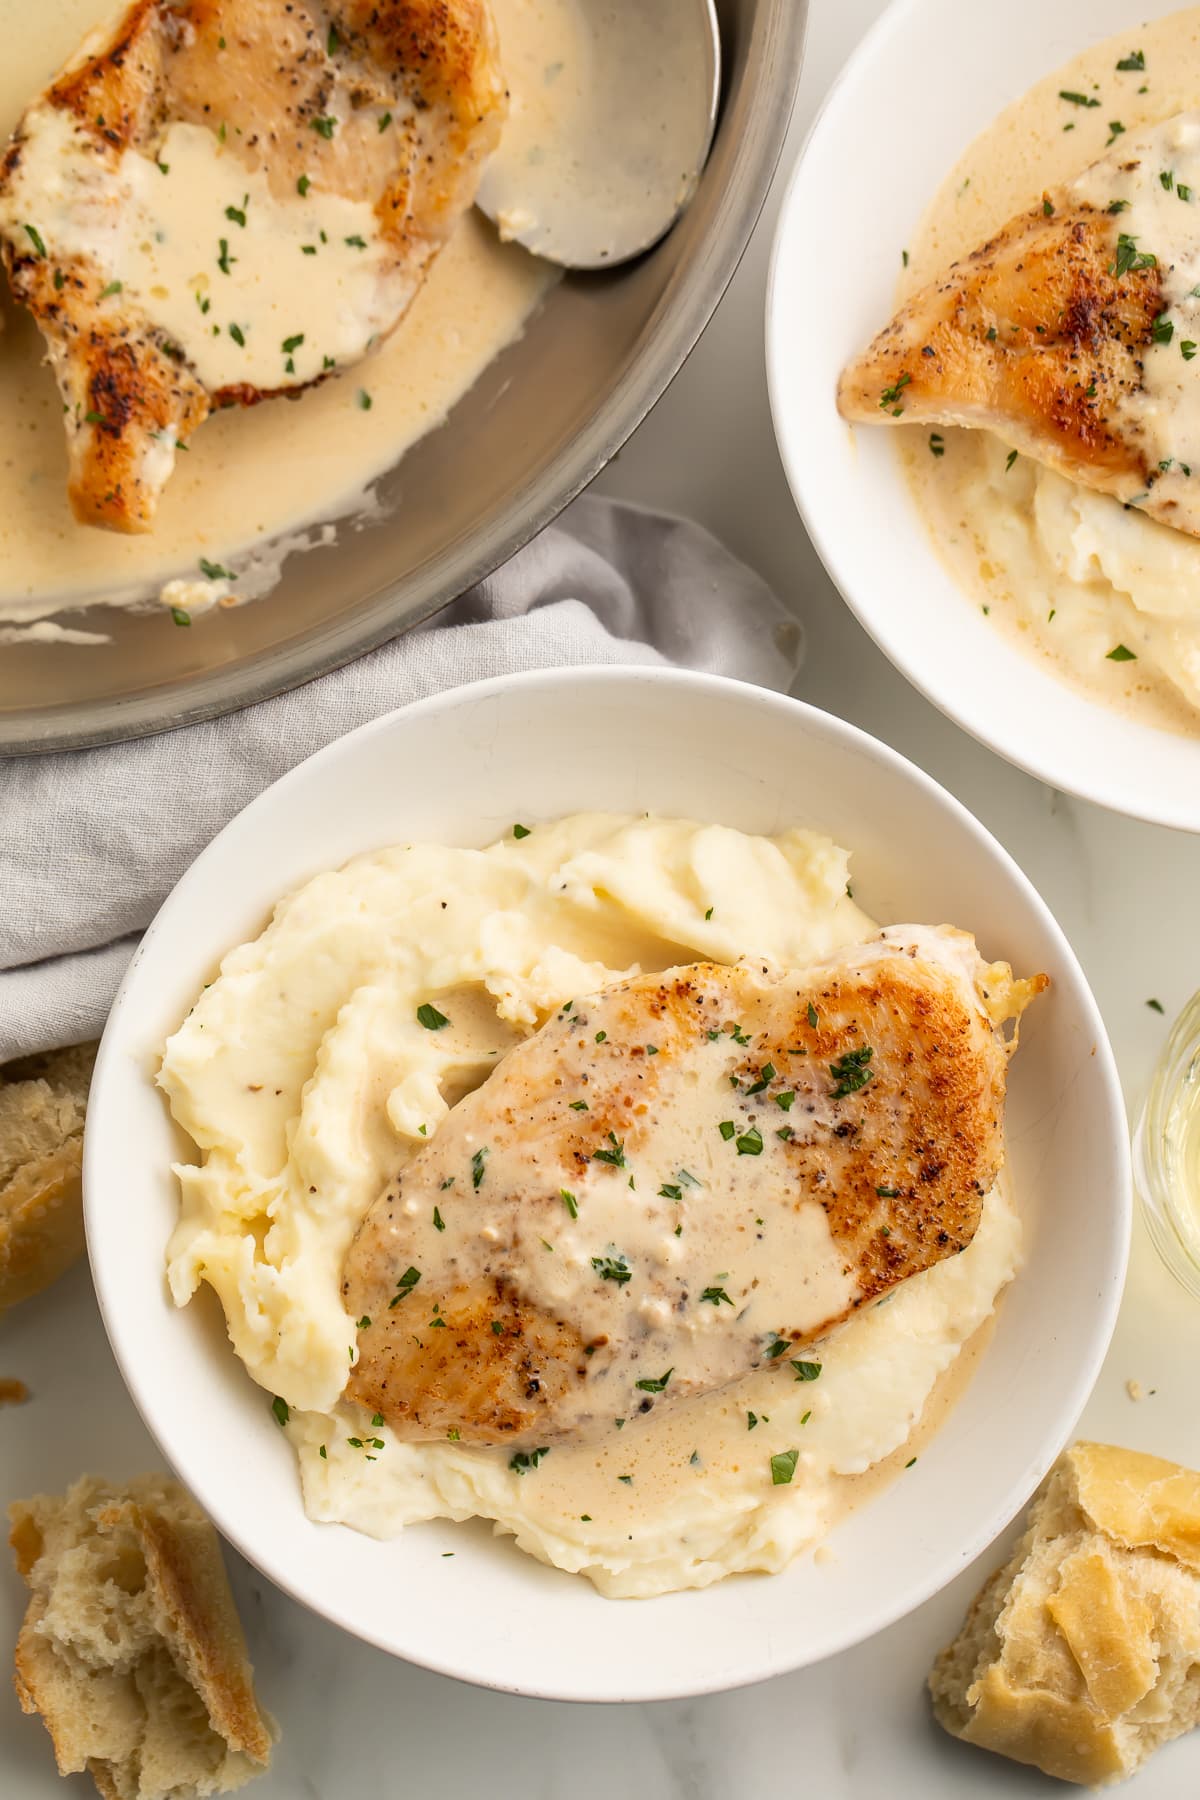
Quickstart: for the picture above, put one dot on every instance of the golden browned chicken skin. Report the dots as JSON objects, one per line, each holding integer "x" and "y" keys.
{"x": 392, "y": 102}
{"x": 1040, "y": 334}
{"x": 679, "y": 1180}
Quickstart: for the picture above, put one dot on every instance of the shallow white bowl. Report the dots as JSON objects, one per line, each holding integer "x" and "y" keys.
{"x": 460, "y": 768}
{"x": 919, "y": 89}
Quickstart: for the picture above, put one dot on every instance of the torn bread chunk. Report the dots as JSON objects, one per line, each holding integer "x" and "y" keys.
{"x": 43, "y": 1103}
{"x": 131, "y": 1648}
{"x": 1082, "y": 1654}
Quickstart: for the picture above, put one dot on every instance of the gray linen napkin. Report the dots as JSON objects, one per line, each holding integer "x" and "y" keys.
{"x": 91, "y": 841}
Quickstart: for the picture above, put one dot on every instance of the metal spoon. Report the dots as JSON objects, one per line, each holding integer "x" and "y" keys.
{"x": 603, "y": 149}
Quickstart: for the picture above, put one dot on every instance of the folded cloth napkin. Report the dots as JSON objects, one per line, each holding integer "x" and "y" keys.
{"x": 91, "y": 841}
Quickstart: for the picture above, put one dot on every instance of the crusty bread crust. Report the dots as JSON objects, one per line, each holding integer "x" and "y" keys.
{"x": 131, "y": 1648}
{"x": 43, "y": 1103}
{"x": 1082, "y": 1654}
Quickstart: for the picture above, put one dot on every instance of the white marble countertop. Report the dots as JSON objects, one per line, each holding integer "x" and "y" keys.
{"x": 358, "y": 1723}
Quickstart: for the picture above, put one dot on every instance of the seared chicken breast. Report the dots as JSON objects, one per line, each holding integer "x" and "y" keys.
{"x": 1071, "y": 333}
{"x": 218, "y": 201}
{"x": 678, "y": 1180}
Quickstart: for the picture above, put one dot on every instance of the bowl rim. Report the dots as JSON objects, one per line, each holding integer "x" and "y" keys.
{"x": 1147, "y": 805}
{"x": 906, "y": 1596}
{"x": 771, "y": 77}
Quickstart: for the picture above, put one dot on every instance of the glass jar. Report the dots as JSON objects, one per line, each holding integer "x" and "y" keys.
{"x": 1166, "y": 1151}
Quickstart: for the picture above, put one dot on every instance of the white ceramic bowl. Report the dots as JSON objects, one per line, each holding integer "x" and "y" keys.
{"x": 460, "y": 768}
{"x": 921, "y": 86}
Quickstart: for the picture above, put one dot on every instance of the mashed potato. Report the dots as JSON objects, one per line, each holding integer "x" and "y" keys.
{"x": 1075, "y": 571}
{"x": 306, "y": 1081}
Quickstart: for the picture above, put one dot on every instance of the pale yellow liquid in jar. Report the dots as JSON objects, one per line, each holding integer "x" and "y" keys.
{"x": 1183, "y": 1158}
{"x": 251, "y": 481}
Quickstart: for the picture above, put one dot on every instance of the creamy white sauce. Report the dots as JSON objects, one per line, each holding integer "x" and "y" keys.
{"x": 1071, "y": 574}
{"x": 606, "y": 126}
{"x": 253, "y": 289}
{"x": 305, "y": 1079}
{"x": 252, "y": 483}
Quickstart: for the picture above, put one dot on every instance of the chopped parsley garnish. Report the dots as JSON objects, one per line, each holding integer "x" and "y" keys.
{"x": 303, "y": 185}
{"x": 1048, "y": 207}
{"x": 520, "y": 831}
{"x": 405, "y": 1286}
{"x": 751, "y": 1421}
{"x": 323, "y": 1453}
{"x": 888, "y": 1193}
{"x": 292, "y": 343}
{"x": 215, "y": 571}
{"x": 783, "y": 1467}
{"x": 237, "y": 214}
{"x": 716, "y": 1295}
{"x": 655, "y": 1387}
{"x": 812, "y": 1015}
{"x": 786, "y": 1100}
{"x": 766, "y": 1076}
{"x": 602, "y": 1037}
{"x": 497, "y": 1328}
{"x": 1122, "y": 654}
{"x": 1118, "y": 206}
{"x": 709, "y": 913}
{"x": 361, "y": 1325}
{"x": 937, "y": 444}
{"x": 1134, "y": 63}
{"x": 35, "y": 238}
{"x": 431, "y": 1018}
{"x": 325, "y": 126}
{"x": 627, "y": 1479}
{"x": 806, "y": 1371}
{"x": 750, "y": 1142}
{"x": 1130, "y": 258}
{"x": 225, "y": 260}
{"x": 238, "y": 335}
{"x": 280, "y": 1408}
{"x": 1010, "y": 460}
{"x": 180, "y": 616}
{"x": 477, "y": 1166}
{"x": 910, "y": 1462}
{"x": 384, "y": 121}
{"x": 612, "y": 1268}
{"x": 524, "y": 1460}
{"x": 579, "y": 1105}
{"x": 727, "y": 1129}
{"x": 356, "y": 242}
{"x": 670, "y": 1190}
{"x": 1187, "y": 349}
{"x": 569, "y": 1201}
{"x": 1167, "y": 178}
{"x": 332, "y": 41}
{"x": 1162, "y": 330}
{"x": 776, "y": 1350}
{"x": 1155, "y": 1005}
{"x": 850, "y": 1072}
{"x": 890, "y": 396}
{"x": 615, "y": 1156}
{"x": 439, "y": 1224}
{"x": 1075, "y": 99}
{"x": 114, "y": 287}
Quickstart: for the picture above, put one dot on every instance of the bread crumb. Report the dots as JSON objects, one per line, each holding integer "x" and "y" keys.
{"x": 12, "y": 1393}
